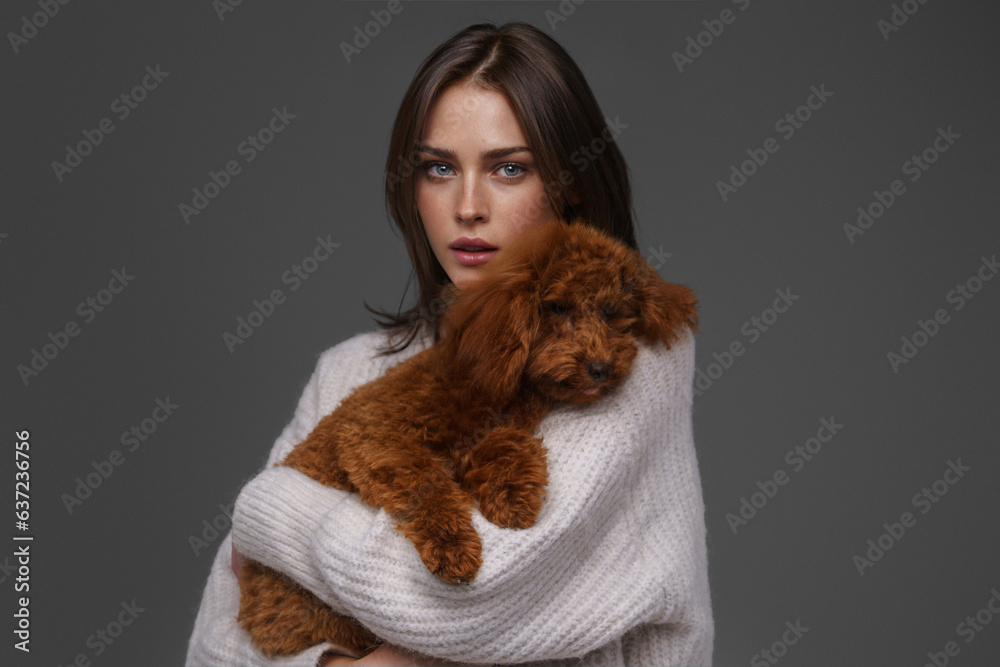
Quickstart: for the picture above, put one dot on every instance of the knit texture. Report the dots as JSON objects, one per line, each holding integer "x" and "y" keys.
{"x": 614, "y": 572}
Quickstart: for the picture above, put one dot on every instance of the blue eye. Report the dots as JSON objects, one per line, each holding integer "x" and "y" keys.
{"x": 509, "y": 165}
{"x": 432, "y": 168}
{"x": 442, "y": 170}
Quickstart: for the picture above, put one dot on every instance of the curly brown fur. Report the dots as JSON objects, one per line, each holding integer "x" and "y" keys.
{"x": 451, "y": 428}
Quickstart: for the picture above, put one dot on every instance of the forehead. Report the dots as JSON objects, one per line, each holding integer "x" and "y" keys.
{"x": 466, "y": 115}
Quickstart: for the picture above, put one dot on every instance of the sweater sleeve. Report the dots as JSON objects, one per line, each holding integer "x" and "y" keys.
{"x": 619, "y": 547}
{"x": 217, "y": 640}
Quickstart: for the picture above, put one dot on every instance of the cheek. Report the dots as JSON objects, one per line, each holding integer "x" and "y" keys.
{"x": 529, "y": 204}
{"x": 433, "y": 196}
{"x": 425, "y": 200}
{"x": 430, "y": 208}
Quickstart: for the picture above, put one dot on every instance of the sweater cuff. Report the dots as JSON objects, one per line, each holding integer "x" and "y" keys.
{"x": 219, "y": 641}
{"x": 276, "y": 517}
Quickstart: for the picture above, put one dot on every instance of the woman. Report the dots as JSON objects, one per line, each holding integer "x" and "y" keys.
{"x": 497, "y": 132}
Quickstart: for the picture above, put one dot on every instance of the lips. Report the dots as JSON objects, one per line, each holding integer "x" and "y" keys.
{"x": 472, "y": 258}
{"x": 471, "y": 245}
{"x": 470, "y": 252}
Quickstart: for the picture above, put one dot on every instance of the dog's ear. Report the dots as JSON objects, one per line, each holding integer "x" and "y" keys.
{"x": 490, "y": 328}
{"x": 664, "y": 308}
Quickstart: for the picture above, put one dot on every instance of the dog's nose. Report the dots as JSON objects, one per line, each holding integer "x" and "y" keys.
{"x": 599, "y": 370}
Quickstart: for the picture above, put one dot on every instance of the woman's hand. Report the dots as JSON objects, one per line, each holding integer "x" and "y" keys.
{"x": 385, "y": 655}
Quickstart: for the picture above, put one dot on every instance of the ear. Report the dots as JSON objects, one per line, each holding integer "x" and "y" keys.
{"x": 490, "y": 328}
{"x": 664, "y": 308}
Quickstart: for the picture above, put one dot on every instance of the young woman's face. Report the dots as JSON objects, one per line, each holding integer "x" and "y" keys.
{"x": 477, "y": 185}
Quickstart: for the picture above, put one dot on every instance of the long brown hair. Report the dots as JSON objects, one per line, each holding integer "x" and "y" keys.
{"x": 584, "y": 172}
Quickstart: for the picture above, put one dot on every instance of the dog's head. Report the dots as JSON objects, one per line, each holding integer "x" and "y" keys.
{"x": 562, "y": 312}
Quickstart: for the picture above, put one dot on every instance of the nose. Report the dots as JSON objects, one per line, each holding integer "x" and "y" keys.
{"x": 599, "y": 370}
{"x": 471, "y": 206}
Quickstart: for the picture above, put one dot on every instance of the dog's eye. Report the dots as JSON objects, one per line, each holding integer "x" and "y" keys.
{"x": 609, "y": 311}
{"x": 559, "y": 309}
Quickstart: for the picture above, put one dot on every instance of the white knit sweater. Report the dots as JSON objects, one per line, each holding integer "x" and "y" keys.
{"x": 614, "y": 572}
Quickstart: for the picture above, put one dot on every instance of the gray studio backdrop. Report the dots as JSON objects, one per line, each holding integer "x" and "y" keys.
{"x": 823, "y": 174}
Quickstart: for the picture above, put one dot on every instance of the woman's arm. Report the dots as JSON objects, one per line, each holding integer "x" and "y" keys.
{"x": 217, "y": 639}
{"x": 619, "y": 544}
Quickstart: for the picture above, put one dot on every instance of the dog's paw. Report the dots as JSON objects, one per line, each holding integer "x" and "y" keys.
{"x": 508, "y": 477}
{"x": 453, "y": 553}
{"x": 513, "y": 505}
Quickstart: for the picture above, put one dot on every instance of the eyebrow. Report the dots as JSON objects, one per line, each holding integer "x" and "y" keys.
{"x": 484, "y": 155}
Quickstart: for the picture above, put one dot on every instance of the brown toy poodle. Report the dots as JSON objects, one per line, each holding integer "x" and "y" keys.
{"x": 557, "y": 319}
